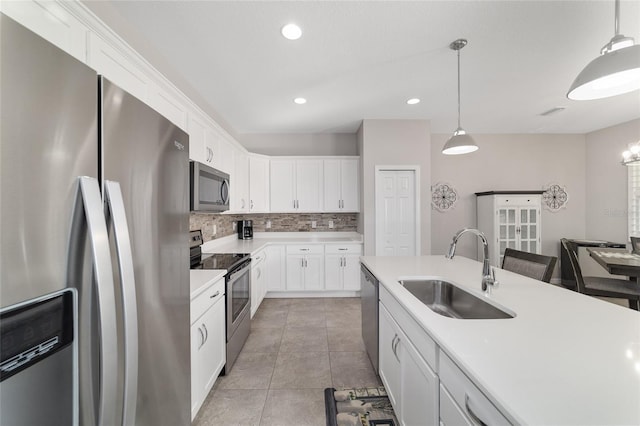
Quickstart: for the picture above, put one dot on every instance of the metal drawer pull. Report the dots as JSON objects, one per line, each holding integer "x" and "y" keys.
{"x": 304, "y": 249}
{"x": 215, "y": 294}
{"x": 201, "y": 338}
{"x": 394, "y": 346}
{"x": 206, "y": 332}
{"x": 343, "y": 249}
{"x": 473, "y": 416}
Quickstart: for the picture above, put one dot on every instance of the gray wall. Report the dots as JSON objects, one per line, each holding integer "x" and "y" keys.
{"x": 300, "y": 144}
{"x": 388, "y": 143}
{"x": 511, "y": 162}
{"x": 607, "y": 181}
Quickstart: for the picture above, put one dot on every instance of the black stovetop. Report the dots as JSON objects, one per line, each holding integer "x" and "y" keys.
{"x": 226, "y": 261}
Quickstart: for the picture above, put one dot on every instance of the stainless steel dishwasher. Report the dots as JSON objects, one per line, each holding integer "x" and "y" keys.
{"x": 369, "y": 300}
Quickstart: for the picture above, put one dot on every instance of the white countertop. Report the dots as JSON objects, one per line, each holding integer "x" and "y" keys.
{"x": 232, "y": 244}
{"x": 201, "y": 279}
{"x": 564, "y": 359}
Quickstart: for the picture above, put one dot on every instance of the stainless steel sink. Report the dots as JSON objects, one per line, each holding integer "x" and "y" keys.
{"x": 449, "y": 300}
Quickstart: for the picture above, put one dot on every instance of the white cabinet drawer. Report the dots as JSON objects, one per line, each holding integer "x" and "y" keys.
{"x": 343, "y": 248}
{"x": 205, "y": 300}
{"x": 473, "y": 403}
{"x": 257, "y": 258}
{"x": 518, "y": 200}
{"x": 450, "y": 413}
{"x": 425, "y": 345}
{"x": 305, "y": 249}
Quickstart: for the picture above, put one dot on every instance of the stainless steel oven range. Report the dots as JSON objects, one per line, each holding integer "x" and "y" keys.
{"x": 237, "y": 292}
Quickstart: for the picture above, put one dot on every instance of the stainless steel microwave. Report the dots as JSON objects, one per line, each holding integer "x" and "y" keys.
{"x": 209, "y": 188}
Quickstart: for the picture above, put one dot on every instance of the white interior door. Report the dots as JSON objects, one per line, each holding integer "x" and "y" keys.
{"x": 396, "y": 226}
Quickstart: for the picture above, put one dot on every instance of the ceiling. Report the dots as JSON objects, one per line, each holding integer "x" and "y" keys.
{"x": 364, "y": 59}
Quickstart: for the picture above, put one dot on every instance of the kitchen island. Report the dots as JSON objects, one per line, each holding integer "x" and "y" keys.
{"x": 564, "y": 358}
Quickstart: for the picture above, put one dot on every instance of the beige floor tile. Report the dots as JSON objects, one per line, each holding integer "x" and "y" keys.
{"x": 352, "y": 369}
{"x": 266, "y": 318}
{"x": 301, "y": 370}
{"x": 274, "y": 304}
{"x": 232, "y": 407}
{"x": 250, "y": 371}
{"x": 306, "y": 319}
{"x": 345, "y": 339}
{"x": 302, "y": 407}
{"x": 350, "y": 318}
{"x": 263, "y": 340}
{"x": 308, "y": 305}
{"x": 342, "y": 303}
{"x": 309, "y": 339}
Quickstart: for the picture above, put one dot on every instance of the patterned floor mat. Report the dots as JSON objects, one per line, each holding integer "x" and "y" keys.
{"x": 358, "y": 407}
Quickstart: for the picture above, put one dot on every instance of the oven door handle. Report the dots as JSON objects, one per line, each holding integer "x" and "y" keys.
{"x": 240, "y": 271}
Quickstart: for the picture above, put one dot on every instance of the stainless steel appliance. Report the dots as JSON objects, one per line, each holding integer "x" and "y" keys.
{"x": 209, "y": 188}
{"x": 245, "y": 229}
{"x": 369, "y": 296}
{"x": 237, "y": 292}
{"x": 94, "y": 196}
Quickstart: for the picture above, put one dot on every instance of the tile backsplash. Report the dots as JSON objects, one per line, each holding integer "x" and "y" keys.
{"x": 280, "y": 222}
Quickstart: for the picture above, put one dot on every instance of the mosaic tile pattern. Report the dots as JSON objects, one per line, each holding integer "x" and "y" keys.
{"x": 280, "y": 222}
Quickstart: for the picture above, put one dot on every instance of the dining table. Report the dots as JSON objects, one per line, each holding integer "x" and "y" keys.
{"x": 617, "y": 261}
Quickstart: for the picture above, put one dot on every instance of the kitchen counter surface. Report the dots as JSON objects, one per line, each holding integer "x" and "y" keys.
{"x": 564, "y": 359}
{"x": 200, "y": 279}
{"x": 232, "y": 244}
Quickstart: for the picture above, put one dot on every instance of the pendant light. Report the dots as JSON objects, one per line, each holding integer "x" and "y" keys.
{"x": 614, "y": 72}
{"x": 460, "y": 142}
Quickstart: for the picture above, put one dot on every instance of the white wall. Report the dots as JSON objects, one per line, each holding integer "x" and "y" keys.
{"x": 300, "y": 144}
{"x": 394, "y": 142}
{"x": 510, "y": 162}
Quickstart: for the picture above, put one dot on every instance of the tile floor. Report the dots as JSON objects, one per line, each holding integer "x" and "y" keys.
{"x": 297, "y": 347}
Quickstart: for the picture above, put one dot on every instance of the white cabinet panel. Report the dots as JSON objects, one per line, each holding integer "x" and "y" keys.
{"x": 117, "y": 68}
{"x": 276, "y": 268}
{"x": 282, "y": 175}
{"x": 333, "y": 276}
{"x": 295, "y": 272}
{"x": 227, "y": 156}
{"x": 240, "y": 182}
{"x": 342, "y": 267}
{"x": 351, "y": 272}
{"x": 296, "y": 185}
{"x": 258, "y": 280}
{"x": 389, "y": 361}
{"x": 258, "y": 183}
{"x": 305, "y": 267}
{"x": 52, "y": 22}
{"x": 341, "y": 192}
{"x": 197, "y": 130}
{"x": 169, "y": 106}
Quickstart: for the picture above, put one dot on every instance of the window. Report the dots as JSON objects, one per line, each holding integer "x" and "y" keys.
{"x": 633, "y": 171}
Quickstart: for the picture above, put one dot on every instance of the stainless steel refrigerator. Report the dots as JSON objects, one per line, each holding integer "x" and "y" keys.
{"x": 94, "y": 198}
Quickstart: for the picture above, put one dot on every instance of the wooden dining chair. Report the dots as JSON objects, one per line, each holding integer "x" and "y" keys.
{"x": 603, "y": 286}
{"x": 532, "y": 265}
{"x": 635, "y": 245}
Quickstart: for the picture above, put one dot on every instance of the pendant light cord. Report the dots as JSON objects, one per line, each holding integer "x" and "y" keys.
{"x": 458, "y": 88}
{"x": 617, "y": 19}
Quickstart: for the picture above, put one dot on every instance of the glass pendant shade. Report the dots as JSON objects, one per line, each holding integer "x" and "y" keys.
{"x": 610, "y": 74}
{"x": 459, "y": 143}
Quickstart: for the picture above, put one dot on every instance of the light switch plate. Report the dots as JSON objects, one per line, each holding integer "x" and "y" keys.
{"x": 268, "y": 224}
{"x": 331, "y": 224}
{"x": 314, "y": 224}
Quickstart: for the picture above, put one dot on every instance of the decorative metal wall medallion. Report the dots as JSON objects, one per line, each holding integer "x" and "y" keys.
{"x": 443, "y": 196}
{"x": 555, "y": 197}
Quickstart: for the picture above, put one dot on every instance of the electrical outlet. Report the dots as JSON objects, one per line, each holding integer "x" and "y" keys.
{"x": 268, "y": 224}
{"x": 233, "y": 226}
{"x": 330, "y": 224}
{"x": 314, "y": 224}
{"x": 215, "y": 229}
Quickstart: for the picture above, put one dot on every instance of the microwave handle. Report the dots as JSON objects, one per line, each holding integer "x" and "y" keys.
{"x": 224, "y": 191}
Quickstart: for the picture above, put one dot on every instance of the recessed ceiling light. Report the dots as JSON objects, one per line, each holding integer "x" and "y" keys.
{"x": 291, "y": 32}
{"x": 413, "y": 101}
{"x": 300, "y": 101}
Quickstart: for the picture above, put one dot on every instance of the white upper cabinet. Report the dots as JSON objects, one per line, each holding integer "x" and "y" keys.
{"x": 52, "y": 22}
{"x": 296, "y": 185}
{"x": 118, "y": 68}
{"x": 258, "y": 183}
{"x": 167, "y": 104}
{"x": 197, "y": 130}
{"x": 341, "y": 185}
{"x": 240, "y": 182}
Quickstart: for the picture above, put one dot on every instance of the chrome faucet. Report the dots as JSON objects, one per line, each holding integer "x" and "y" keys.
{"x": 488, "y": 275}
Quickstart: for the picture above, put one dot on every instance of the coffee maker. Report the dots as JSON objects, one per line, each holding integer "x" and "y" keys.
{"x": 245, "y": 229}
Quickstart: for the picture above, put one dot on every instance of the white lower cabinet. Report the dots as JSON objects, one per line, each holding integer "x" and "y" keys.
{"x": 276, "y": 268}
{"x": 207, "y": 342}
{"x": 471, "y": 403}
{"x": 305, "y": 267}
{"x": 342, "y": 267}
{"x": 405, "y": 374}
{"x": 258, "y": 280}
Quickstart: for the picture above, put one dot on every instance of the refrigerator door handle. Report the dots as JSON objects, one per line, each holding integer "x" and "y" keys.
{"x": 89, "y": 199}
{"x": 115, "y": 213}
